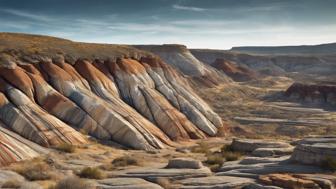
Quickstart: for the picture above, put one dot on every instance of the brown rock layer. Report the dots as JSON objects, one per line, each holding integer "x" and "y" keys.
{"x": 312, "y": 93}
{"x": 235, "y": 71}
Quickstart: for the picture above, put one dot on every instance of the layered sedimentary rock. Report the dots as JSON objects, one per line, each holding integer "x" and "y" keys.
{"x": 181, "y": 96}
{"x": 180, "y": 58}
{"x": 235, "y": 71}
{"x": 312, "y": 93}
{"x": 277, "y": 64}
{"x": 16, "y": 148}
{"x": 141, "y": 104}
{"x": 316, "y": 151}
{"x": 44, "y": 128}
{"x": 59, "y": 94}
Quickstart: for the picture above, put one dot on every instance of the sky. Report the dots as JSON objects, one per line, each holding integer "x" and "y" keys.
{"x": 214, "y": 24}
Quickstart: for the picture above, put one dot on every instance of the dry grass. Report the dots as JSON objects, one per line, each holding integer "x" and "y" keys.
{"x": 202, "y": 147}
{"x": 91, "y": 173}
{"x": 73, "y": 183}
{"x": 67, "y": 148}
{"x": 33, "y": 171}
{"x": 215, "y": 160}
{"x": 125, "y": 161}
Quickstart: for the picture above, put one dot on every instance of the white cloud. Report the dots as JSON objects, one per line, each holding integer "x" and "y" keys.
{"x": 26, "y": 15}
{"x": 188, "y": 8}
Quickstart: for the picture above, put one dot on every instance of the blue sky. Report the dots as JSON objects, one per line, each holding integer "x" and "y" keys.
{"x": 216, "y": 24}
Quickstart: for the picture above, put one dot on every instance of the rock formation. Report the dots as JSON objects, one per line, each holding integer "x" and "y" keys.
{"x": 277, "y": 64}
{"x": 312, "y": 93}
{"x": 235, "y": 71}
{"x": 61, "y": 91}
{"x": 16, "y": 148}
{"x": 315, "y": 151}
{"x": 180, "y": 58}
{"x": 139, "y": 102}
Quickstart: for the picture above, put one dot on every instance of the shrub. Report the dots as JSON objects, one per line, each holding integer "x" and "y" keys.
{"x": 329, "y": 163}
{"x": 227, "y": 148}
{"x": 125, "y": 161}
{"x": 231, "y": 156}
{"x": 92, "y": 173}
{"x": 65, "y": 147}
{"x": 214, "y": 159}
{"x": 73, "y": 183}
{"x": 35, "y": 171}
{"x": 229, "y": 153}
{"x": 201, "y": 148}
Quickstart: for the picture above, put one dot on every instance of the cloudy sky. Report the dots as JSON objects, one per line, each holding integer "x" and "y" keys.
{"x": 216, "y": 24}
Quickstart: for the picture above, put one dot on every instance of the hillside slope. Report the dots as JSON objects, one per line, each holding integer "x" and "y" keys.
{"x": 298, "y": 65}
{"x": 52, "y": 96}
{"x": 180, "y": 57}
{"x": 329, "y": 48}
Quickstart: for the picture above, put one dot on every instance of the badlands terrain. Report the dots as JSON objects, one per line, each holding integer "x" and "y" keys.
{"x": 83, "y": 115}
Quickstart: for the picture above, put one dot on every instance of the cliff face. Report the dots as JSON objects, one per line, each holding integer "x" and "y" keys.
{"x": 274, "y": 64}
{"x": 139, "y": 102}
{"x": 180, "y": 58}
{"x": 313, "y": 93}
{"x": 235, "y": 71}
{"x": 329, "y": 48}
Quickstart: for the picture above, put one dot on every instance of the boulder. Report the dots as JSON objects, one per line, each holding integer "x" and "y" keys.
{"x": 267, "y": 152}
{"x": 249, "y": 145}
{"x": 184, "y": 163}
{"x": 316, "y": 153}
{"x": 152, "y": 174}
{"x": 126, "y": 183}
{"x": 293, "y": 181}
{"x": 214, "y": 182}
{"x": 6, "y": 175}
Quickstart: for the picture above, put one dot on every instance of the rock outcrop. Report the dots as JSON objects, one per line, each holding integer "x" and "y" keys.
{"x": 15, "y": 148}
{"x": 277, "y": 64}
{"x": 292, "y": 181}
{"x": 180, "y": 58}
{"x": 56, "y": 96}
{"x": 312, "y": 93}
{"x": 250, "y": 145}
{"x": 315, "y": 152}
{"x": 235, "y": 71}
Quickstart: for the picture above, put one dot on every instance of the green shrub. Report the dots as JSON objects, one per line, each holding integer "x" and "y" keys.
{"x": 125, "y": 161}
{"x": 65, "y": 147}
{"x": 91, "y": 173}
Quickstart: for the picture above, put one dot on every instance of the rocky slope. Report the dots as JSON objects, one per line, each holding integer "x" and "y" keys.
{"x": 180, "y": 57}
{"x": 312, "y": 93}
{"x": 329, "y": 48}
{"x": 52, "y": 98}
{"x": 321, "y": 66}
{"x": 235, "y": 71}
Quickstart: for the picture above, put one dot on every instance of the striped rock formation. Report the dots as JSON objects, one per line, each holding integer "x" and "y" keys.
{"x": 16, "y": 148}
{"x": 181, "y": 58}
{"x": 143, "y": 104}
